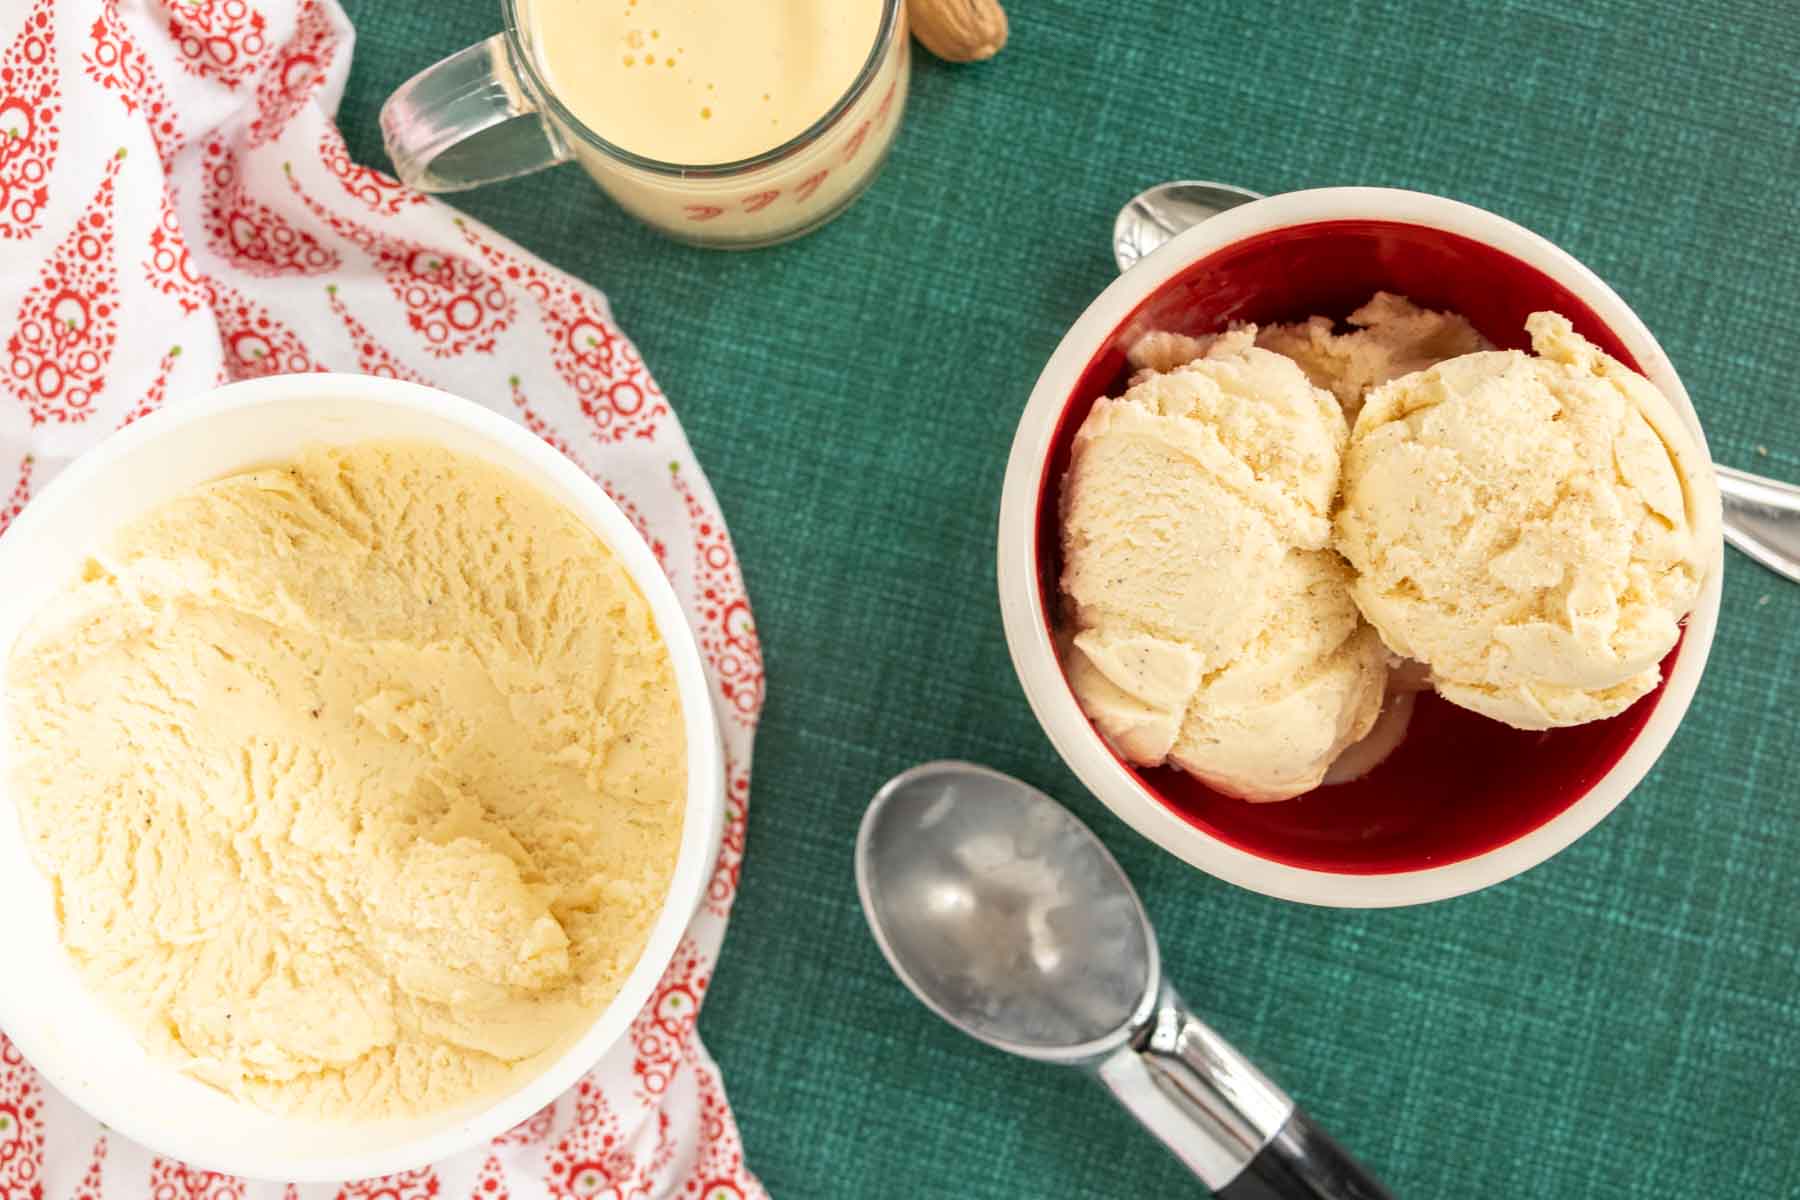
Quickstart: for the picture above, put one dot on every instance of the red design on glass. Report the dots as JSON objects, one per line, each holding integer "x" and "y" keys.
{"x": 855, "y": 143}
{"x": 93, "y": 1180}
{"x": 67, "y": 323}
{"x": 532, "y": 1130}
{"x": 887, "y": 101}
{"x": 385, "y": 195}
{"x": 703, "y": 212}
{"x": 372, "y": 358}
{"x": 21, "y": 1126}
{"x": 806, "y": 187}
{"x": 298, "y": 69}
{"x": 114, "y": 60}
{"x": 421, "y": 1184}
{"x": 159, "y": 387}
{"x": 171, "y": 1180}
{"x": 456, "y": 305}
{"x": 21, "y": 492}
{"x": 255, "y": 343}
{"x": 598, "y": 364}
{"x": 219, "y": 40}
{"x": 170, "y": 268}
{"x": 761, "y": 200}
{"x": 726, "y": 631}
{"x": 30, "y": 113}
{"x": 248, "y": 234}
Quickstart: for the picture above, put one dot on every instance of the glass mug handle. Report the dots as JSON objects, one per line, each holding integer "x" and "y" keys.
{"x": 467, "y": 121}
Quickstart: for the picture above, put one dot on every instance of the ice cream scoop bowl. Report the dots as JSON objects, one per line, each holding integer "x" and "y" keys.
{"x": 1465, "y": 801}
{"x": 1007, "y": 917}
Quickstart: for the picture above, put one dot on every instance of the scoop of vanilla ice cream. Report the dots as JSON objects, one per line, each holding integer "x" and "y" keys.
{"x": 1531, "y": 527}
{"x": 1390, "y": 336}
{"x": 1211, "y": 628}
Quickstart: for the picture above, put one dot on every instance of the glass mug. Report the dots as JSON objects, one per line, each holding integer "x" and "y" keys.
{"x": 488, "y": 113}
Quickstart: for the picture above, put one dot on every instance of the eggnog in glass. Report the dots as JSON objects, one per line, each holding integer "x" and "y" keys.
{"x": 729, "y": 123}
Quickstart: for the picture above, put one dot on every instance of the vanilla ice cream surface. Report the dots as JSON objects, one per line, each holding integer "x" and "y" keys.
{"x": 359, "y": 778}
{"x": 1209, "y": 627}
{"x": 1389, "y": 336}
{"x": 1531, "y": 526}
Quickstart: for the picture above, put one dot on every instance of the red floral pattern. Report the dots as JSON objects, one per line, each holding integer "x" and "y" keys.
{"x": 30, "y": 121}
{"x": 727, "y": 632}
{"x": 536, "y": 423}
{"x": 15, "y": 504}
{"x": 372, "y": 358}
{"x": 66, "y": 325}
{"x": 385, "y": 195}
{"x": 21, "y": 1126}
{"x": 169, "y": 267}
{"x": 298, "y": 71}
{"x": 719, "y": 1174}
{"x": 117, "y": 63}
{"x": 247, "y": 233}
{"x": 595, "y": 1161}
{"x": 220, "y": 40}
{"x": 659, "y": 1036}
{"x": 490, "y": 1183}
{"x": 93, "y": 1180}
{"x": 456, "y": 305}
{"x": 610, "y": 384}
{"x": 254, "y": 342}
{"x": 532, "y": 1131}
{"x": 159, "y": 388}
{"x": 171, "y": 1180}
{"x": 723, "y": 888}
{"x": 421, "y": 1184}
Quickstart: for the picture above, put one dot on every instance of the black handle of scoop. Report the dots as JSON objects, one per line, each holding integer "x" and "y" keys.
{"x": 1301, "y": 1162}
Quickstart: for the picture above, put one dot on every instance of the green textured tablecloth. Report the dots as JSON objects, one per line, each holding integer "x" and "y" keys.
{"x": 1622, "y": 1021}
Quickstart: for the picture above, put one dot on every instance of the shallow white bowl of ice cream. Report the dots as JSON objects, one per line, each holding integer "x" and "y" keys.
{"x": 1465, "y": 801}
{"x": 60, "y": 1025}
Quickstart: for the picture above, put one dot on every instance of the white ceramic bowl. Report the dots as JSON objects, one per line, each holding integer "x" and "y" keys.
{"x": 80, "y": 1047}
{"x": 1120, "y": 311}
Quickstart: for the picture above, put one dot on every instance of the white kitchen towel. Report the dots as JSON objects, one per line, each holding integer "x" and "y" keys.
{"x": 178, "y": 210}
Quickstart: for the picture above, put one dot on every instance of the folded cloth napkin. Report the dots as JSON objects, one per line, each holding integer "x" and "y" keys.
{"x": 178, "y": 210}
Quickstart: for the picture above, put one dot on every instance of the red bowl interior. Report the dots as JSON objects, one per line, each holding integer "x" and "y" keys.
{"x": 1461, "y": 784}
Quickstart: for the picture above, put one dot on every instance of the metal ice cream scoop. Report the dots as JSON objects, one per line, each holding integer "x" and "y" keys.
{"x": 1762, "y": 516}
{"x": 1008, "y": 918}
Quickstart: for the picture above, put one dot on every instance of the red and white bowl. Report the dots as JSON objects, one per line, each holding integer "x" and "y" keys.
{"x": 1465, "y": 802}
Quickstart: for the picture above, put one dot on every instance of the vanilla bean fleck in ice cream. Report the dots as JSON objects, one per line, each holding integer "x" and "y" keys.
{"x": 359, "y": 778}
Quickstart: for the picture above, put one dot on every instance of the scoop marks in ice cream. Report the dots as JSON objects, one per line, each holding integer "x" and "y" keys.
{"x": 1532, "y": 527}
{"x": 1210, "y": 627}
{"x": 360, "y": 778}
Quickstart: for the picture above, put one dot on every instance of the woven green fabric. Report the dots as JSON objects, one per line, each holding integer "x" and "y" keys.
{"x": 1622, "y": 1021}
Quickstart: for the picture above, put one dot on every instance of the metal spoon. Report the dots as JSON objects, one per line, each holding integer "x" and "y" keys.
{"x": 1762, "y": 516}
{"x": 1008, "y": 918}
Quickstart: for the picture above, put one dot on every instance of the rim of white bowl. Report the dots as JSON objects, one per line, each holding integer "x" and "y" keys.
{"x": 1027, "y": 629}
{"x": 702, "y": 820}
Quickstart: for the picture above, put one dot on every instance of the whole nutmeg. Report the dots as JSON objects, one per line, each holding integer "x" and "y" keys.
{"x": 959, "y": 30}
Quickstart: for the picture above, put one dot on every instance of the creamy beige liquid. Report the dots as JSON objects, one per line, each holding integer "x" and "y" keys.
{"x": 701, "y": 82}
